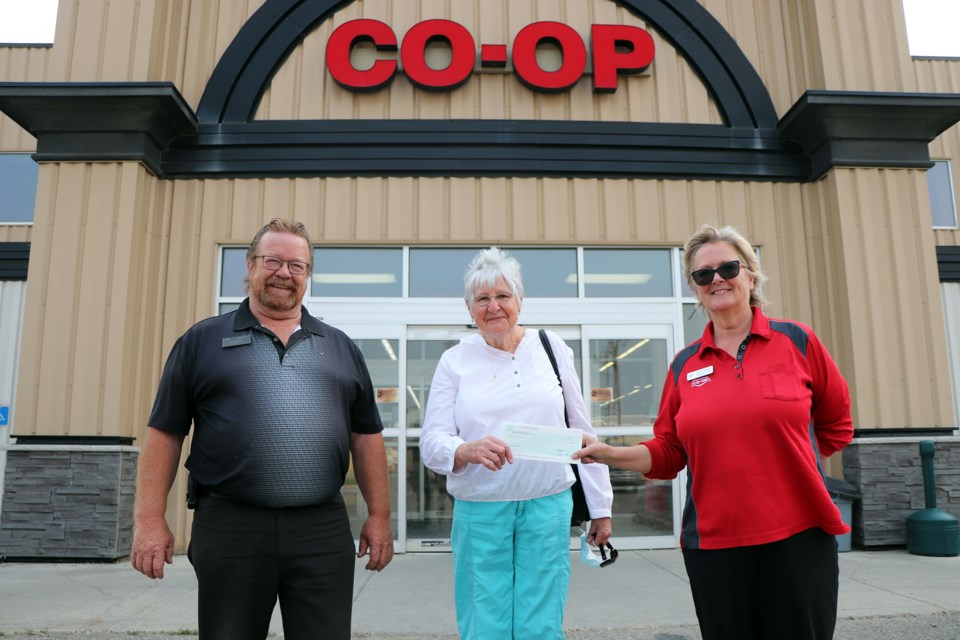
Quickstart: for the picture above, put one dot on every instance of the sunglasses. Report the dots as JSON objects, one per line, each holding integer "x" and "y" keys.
{"x": 614, "y": 554}
{"x": 727, "y": 271}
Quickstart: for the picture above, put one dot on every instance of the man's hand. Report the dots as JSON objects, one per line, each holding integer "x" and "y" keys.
{"x": 152, "y": 546}
{"x": 376, "y": 538}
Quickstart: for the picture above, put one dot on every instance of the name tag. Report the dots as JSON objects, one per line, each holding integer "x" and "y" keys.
{"x": 699, "y": 373}
{"x": 236, "y": 341}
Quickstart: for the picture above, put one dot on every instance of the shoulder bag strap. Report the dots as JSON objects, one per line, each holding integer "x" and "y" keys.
{"x": 553, "y": 360}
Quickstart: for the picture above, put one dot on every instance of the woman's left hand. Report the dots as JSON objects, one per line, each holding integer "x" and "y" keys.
{"x": 600, "y": 531}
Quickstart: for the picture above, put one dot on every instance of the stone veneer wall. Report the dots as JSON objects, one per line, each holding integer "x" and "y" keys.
{"x": 69, "y": 502}
{"x": 889, "y": 475}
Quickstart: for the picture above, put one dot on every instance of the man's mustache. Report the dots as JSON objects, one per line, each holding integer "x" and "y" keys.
{"x": 280, "y": 283}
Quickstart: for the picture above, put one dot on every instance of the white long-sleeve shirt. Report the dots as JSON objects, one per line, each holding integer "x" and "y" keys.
{"x": 477, "y": 388}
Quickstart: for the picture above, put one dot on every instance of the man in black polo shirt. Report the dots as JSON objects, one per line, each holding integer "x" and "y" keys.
{"x": 279, "y": 401}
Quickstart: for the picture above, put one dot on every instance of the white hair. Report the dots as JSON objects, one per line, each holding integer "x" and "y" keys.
{"x": 489, "y": 266}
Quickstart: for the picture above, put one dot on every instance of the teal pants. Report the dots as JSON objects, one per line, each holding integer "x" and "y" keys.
{"x": 512, "y": 564}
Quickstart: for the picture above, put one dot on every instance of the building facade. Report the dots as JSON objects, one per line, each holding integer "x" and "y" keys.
{"x": 589, "y": 138}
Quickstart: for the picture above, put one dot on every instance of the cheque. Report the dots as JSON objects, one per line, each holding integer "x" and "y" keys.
{"x": 538, "y": 442}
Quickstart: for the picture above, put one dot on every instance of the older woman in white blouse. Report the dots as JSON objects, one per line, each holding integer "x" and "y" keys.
{"x": 511, "y": 518}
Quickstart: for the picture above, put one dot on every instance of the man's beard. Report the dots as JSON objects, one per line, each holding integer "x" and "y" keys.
{"x": 285, "y": 300}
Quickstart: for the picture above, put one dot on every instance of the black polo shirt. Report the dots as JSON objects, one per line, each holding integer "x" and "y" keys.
{"x": 271, "y": 426}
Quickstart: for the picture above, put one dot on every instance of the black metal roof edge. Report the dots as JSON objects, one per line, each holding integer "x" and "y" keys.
{"x": 868, "y": 128}
{"x": 485, "y": 148}
{"x": 485, "y": 127}
{"x": 900, "y": 432}
{"x": 73, "y": 440}
{"x": 99, "y": 121}
{"x": 948, "y": 263}
{"x": 151, "y": 123}
{"x": 26, "y": 45}
{"x": 14, "y": 260}
{"x": 226, "y": 167}
{"x": 9, "y": 250}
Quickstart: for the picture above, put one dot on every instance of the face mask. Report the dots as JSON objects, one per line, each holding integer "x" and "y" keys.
{"x": 587, "y": 555}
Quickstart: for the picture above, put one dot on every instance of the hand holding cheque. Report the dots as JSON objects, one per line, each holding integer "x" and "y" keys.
{"x": 524, "y": 441}
{"x": 546, "y": 444}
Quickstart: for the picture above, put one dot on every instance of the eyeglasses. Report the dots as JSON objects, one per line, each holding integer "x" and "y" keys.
{"x": 501, "y": 298}
{"x": 727, "y": 271}
{"x": 295, "y": 267}
{"x": 614, "y": 554}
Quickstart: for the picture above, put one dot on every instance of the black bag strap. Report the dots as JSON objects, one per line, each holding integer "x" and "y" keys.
{"x": 553, "y": 361}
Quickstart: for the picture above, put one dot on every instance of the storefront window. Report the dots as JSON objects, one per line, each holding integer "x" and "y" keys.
{"x": 627, "y": 378}
{"x": 384, "y": 366}
{"x": 233, "y": 269}
{"x": 353, "y": 499}
{"x": 694, "y": 322}
{"x": 357, "y": 272}
{"x": 627, "y": 273}
{"x": 18, "y": 183}
{"x": 548, "y": 273}
{"x": 438, "y": 273}
{"x": 942, "y": 204}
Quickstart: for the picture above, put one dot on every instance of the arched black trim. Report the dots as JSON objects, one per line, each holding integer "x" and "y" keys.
{"x": 277, "y": 28}
{"x": 737, "y": 89}
{"x": 256, "y": 53}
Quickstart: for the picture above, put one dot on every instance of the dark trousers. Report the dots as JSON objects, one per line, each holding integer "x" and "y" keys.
{"x": 784, "y": 590}
{"x": 247, "y": 557}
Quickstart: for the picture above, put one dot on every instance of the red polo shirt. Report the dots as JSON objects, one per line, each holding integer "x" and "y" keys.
{"x": 749, "y": 429}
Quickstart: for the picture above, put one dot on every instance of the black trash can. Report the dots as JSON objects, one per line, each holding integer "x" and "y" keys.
{"x": 844, "y": 494}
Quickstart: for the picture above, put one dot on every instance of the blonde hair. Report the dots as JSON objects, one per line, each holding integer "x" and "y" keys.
{"x": 708, "y": 235}
{"x": 281, "y": 225}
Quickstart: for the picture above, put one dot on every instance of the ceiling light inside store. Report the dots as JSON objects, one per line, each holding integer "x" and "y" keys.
{"x": 389, "y": 349}
{"x": 611, "y": 278}
{"x": 633, "y": 348}
{"x": 354, "y": 278}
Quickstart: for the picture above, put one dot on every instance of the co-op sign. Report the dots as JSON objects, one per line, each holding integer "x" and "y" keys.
{"x": 615, "y": 49}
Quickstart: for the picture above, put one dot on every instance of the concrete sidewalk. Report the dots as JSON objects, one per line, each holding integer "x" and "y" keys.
{"x": 644, "y": 595}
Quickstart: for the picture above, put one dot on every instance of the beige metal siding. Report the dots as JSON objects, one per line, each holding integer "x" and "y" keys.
{"x": 943, "y": 76}
{"x": 15, "y": 232}
{"x": 20, "y": 64}
{"x": 88, "y": 301}
{"x": 885, "y": 329}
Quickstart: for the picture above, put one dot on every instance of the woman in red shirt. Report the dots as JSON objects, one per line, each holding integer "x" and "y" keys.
{"x": 750, "y": 409}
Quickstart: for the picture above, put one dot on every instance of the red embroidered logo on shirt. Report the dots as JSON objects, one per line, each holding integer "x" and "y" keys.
{"x": 699, "y": 382}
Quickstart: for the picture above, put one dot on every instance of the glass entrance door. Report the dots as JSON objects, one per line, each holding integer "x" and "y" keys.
{"x": 626, "y": 367}
{"x": 622, "y": 368}
{"x": 429, "y": 509}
